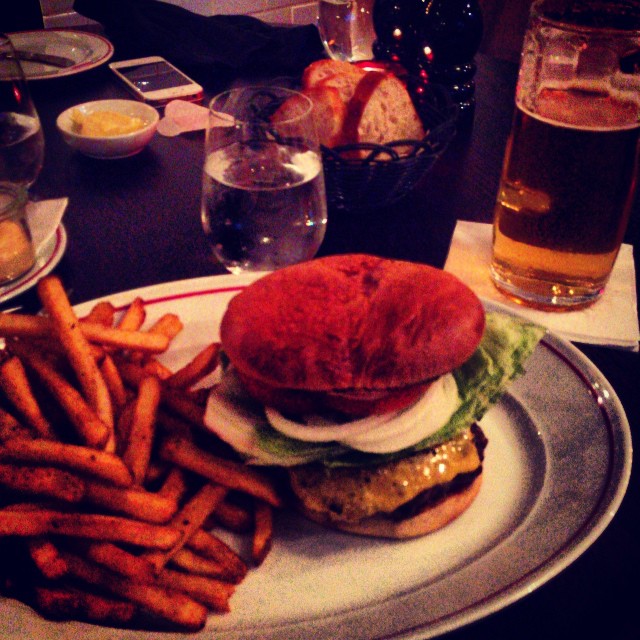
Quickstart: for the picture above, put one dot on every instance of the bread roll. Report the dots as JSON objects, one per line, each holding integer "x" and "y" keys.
{"x": 329, "y": 112}
{"x": 381, "y": 111}
{"x": 373, "y": 107}
{"x": 321, "y": 70}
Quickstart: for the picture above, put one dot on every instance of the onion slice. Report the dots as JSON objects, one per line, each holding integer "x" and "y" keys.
{"x": 316, "y": 429}
{"x": 383, "y": 433}
{"x": 431, "y": 413}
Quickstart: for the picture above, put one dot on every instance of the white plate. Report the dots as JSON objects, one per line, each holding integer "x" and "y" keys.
{"x": 546, "y": 497}
{"x": 87, "y": 50}
{"x": 48, "y": 256}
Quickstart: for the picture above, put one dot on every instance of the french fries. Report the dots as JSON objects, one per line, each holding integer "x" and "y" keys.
{"x": 233, "y": 517}
{"x": 11, "y": 428}
{"x": 263, "y": 532}
{"x": 190, "y": 518}
{"x": 137, "y": 452}
{"x": 114, "y": 383}
{"x": 66, "y": 328}
{"x": 171, "y": 605}
{"x": 47, "y": 482}
{"x": 209, "y": 546}
{"x": 16, "y": 386}
{"x": 91, "y": 429}
{"x": 203, "y": 364}
{"x": 94, "y": 526}
{"x": 97, "y": 464}
{"x": 105, "y": 481}
{"x": 168, "y": 325}
{"x": 195, "y": 564}
{"x": 74, "y": 604}
{"x": 13, "y": 325}
{"x": 134, "y": 316}
{"x": 174, "y": 400}
{"x": 208, "y": 591}
{"x": 136, "y": 502}
{"x": 102, "y": 313}
{"x": 47, "y": 558}
{"x": 228, "y": 473}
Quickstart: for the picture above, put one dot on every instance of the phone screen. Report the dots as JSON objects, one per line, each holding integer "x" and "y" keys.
{"x": 152, "y": 76}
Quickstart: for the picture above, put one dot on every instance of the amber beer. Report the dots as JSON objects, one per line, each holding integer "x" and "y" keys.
{"x": 565, "y": 195}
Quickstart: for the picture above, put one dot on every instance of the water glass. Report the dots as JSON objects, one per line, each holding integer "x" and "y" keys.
{"x": 346, "y": 28}
{"x": 571, "y": 163}
{"x": 263, "y": 197}
{"x": 21, "y": 138}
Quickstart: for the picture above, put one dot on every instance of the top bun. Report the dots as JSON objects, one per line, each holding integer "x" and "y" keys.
{"x": 351, "y": 322}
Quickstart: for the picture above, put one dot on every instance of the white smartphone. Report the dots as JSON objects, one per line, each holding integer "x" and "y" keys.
{"x": 156, "y": 81}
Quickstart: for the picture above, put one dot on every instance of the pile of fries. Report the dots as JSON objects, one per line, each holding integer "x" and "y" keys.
{"x": 111, "y": 493}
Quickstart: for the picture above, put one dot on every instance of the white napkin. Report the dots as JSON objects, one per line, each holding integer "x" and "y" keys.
{"x": 611, "y": 321}
{"x": 43, "y": 218}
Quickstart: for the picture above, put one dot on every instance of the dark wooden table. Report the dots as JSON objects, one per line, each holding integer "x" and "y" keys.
{"x": 136, "y": 222}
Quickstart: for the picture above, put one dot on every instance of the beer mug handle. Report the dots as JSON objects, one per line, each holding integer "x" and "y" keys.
{"x": 630, "y": 63}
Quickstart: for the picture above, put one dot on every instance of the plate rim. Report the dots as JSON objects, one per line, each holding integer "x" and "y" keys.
{"x": 52, "y": 251}
{"x": 594, "y": 523}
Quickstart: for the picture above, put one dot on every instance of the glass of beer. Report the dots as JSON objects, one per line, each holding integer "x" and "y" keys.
{"x": 571, "y": 163}
{"x": 263, "y": 199}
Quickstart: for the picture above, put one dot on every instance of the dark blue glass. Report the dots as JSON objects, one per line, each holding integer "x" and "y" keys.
{"x": 435, "y": 40}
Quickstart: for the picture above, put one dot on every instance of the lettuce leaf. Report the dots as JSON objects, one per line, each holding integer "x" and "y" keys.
{"x": 285, "y": 449}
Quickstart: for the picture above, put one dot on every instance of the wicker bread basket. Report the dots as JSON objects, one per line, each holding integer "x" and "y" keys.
{"x": 383, "y": 176}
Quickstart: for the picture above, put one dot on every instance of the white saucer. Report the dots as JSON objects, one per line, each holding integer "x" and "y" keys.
{"x": 47, "y": 257}
{"x": 87, "y": 50}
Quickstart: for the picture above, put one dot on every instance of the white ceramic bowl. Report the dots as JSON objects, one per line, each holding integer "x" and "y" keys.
{"x": 110, "y": 147}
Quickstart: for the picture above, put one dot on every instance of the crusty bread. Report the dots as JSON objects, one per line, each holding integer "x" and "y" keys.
{"x": 329, "y": 112}
{"x": 350, "y": 322}
{"x": 344, "y": 83}
{"x": 381, "y": 111}
{"x": 376, "y": 106}
{"x": 337, "y": 74}
{"x": 430, "y": 519}
{"x": 321, "y": 70}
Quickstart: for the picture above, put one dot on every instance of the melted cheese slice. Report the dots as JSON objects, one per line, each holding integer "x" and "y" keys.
{"x": 348, "y": 494}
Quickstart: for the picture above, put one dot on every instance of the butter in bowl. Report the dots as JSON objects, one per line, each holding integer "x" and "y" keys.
{"x": 108, "y": 129}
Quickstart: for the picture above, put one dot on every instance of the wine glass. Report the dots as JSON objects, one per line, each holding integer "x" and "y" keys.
{"x": 263, "y": 199}
{"x": 21, "y": 138}
{"x": 346, "y": 28}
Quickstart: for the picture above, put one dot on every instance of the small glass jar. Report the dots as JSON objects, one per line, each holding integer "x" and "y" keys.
{"x": 17, "y": 255}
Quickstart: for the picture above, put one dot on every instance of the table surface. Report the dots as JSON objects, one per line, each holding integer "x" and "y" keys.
{"x": 136, "y": 222}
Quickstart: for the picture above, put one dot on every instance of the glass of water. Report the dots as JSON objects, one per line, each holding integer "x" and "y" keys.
{"x": 346, "y": 28}
{"x": 263, "y": 197}
{"x": 21, "y": 138}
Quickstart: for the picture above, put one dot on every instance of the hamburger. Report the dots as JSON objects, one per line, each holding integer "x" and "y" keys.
{"x": 364, "y": 379}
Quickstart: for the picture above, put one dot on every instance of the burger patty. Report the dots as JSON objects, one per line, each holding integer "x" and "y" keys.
{"x": 398, "y": 489}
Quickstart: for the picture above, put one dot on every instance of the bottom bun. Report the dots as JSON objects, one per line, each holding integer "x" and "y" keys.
{"x": 429, "y": 520}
